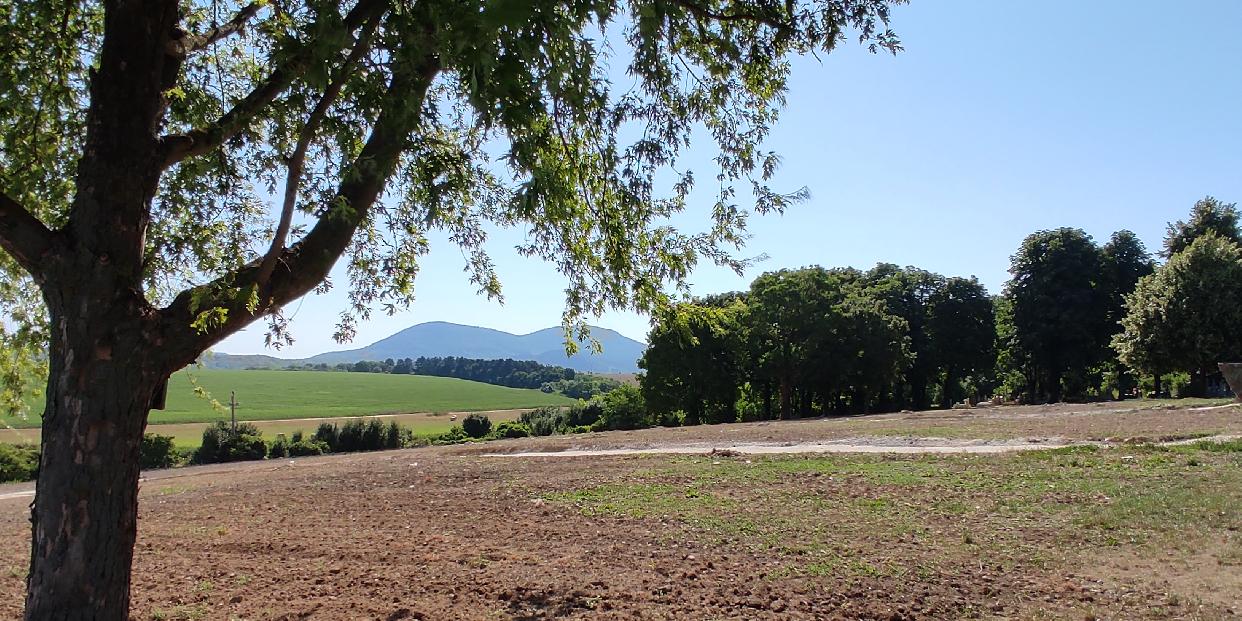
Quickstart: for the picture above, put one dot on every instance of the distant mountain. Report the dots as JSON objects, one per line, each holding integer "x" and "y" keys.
{"x": 439, "y": 338}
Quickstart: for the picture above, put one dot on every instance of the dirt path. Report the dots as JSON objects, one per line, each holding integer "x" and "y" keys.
{"x": 890, "y": 445}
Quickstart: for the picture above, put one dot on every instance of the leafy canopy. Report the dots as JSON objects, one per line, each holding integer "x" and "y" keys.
{"x": 1060, "y": 295}
{"x": 379, "y": 122}
{"x": 1207, "y": 216}
{"x": 1185, "y": 316}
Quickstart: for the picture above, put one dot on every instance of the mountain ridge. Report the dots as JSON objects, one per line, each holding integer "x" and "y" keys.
{"x": 443, "y": 338}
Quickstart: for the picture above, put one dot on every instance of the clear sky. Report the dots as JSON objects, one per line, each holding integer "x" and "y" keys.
{"x": 1000, "y": 118}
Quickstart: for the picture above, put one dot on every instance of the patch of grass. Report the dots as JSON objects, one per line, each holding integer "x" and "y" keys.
{"x": 828, "y": 514}
{"x": 1228, "y": 446}
{"x": 271, "y": 394}
{"x": 181, "y": 613}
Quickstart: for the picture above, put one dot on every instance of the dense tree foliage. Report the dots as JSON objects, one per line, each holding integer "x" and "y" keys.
{"x": 1187, "y": 316}
{"x": 140, "y": 143}
{"x": 961, "y": 337}
{"x": 502, "y": 372}
{"x": 1060, "y": 310}
{"x": 694, "y": 363}
{"x": 815, "y": 341}
{"x": 498, "y": 371}
{"x": 1207, "y": 215}
{"x": 905, "y": 293}
{"x": 1126, "y": 261}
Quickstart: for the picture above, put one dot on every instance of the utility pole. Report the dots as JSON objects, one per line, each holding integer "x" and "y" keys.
{"x": 233, "y": 409}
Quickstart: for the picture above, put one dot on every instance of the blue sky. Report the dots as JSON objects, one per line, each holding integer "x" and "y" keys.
{"x": 999, "y": 119}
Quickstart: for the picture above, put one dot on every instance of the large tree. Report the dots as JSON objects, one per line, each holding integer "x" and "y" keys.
{"x": 693, "y": 362}
{"x": 1187, "y": 316}
{"x": 1126, "y": 261}
{"x": 142, "y": 141}
{"x": 785, "y": 314}
{"x": 906, "y": 293}
{"x": 961, "y": 334}
{"x": 1060, "y": 309}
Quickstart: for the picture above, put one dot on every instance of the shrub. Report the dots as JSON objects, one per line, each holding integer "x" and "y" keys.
{"x": 394, "y": 438}
{"x": 542, "y": 421}
{"x": 221, "y": 443}
{"x": 1178, "y": 384}
{"x": 279, "y": 447}
{"x": 18, "y": 462}
{"x": 306, "y": 448}
{"x": 510, "y": 429}
{"x": 582, "y": 414}
{"x": 671, "y": 419}
{"x": 157, "y": 452}
{"x": 452, "y": 436}
{"x": 350, "y": 438}
{"x": 476, "y": 425}
{"x": 373, "y": 435}
{"x": 328, "y": 435}
{"x": 623, "y": 408}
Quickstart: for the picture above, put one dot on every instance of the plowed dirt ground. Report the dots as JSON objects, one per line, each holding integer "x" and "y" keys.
{"x": 1119, "y": 531}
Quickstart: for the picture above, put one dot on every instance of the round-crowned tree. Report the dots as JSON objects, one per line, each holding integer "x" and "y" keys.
{"x": 1185, "y": 316}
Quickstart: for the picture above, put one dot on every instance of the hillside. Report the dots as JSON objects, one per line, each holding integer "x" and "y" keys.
{"x": 270, "y": 395}
{"x": 438, "y": 338}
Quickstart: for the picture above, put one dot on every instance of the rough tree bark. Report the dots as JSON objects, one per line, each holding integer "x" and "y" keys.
{"x": 84, "y": 519}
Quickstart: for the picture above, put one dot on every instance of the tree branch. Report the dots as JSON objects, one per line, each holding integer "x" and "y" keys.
{"x": 705, "y": 13}
{"x": 189, "y": 43}
{"x": 201, "y": 140}
{"x": 307, "y": 262}
{"x": 297, "y": 161}
{"x": 25, "y": 237}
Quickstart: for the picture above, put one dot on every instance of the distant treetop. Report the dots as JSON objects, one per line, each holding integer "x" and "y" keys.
{"x": 1208, "y": 214}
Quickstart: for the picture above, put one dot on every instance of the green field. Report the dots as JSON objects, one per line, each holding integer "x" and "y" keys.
{"x": 271, "y": 395}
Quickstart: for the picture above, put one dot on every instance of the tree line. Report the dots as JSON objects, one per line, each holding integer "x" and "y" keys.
{"x": 1076, "y": 321}
{"x": 498, "y": 371}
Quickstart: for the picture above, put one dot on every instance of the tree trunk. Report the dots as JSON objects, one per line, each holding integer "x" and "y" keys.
{"x": 1054, "y": 387}
{"x": 947, "y": 398}
{"x": 786, "y": 398}
{"x": 918, "y": 392}
{"x": 1198, "y": 382}
{"x": 84, "y": 517}
{"x": 767, "y": 400}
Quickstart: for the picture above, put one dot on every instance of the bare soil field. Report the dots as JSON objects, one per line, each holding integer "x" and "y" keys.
{"x": 1112, "y": 530}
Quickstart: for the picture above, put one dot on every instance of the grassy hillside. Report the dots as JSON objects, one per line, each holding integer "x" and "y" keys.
{"x": 268, "y": 395}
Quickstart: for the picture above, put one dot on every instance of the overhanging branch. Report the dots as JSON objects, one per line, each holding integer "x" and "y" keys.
{"x": 25, "y": 237}
{"x": 304, "y": 265}
{"x": 189, "y": 43}
{"x": 706, "y": 13}
{"x": 296, "y": 162}
{"x": 198, "y": 141}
